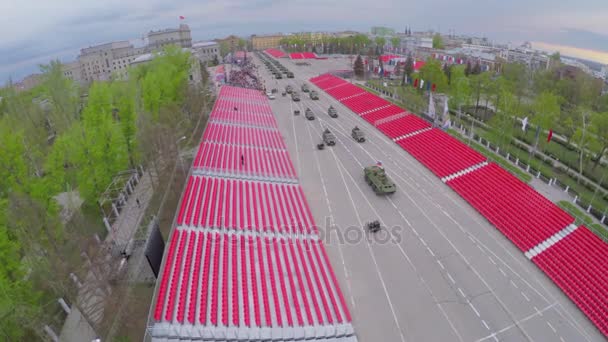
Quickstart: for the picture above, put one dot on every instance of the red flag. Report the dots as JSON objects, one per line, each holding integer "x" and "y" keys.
{"x": 181, "y": 17}
{"x": 416, "y": 83}
{"x": 550, "y": 135}
{"x": 433, "y": 87}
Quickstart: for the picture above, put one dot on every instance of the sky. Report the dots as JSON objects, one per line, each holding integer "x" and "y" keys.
{"x": 34, "y": 31}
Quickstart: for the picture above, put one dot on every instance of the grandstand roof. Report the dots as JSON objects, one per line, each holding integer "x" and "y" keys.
{"x": 244, "y": 260}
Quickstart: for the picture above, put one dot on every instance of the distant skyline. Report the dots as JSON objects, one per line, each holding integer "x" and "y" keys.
{"x": 34, "y": 32}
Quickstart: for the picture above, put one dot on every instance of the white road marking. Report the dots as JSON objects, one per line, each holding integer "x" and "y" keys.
{"x": 496, "y": 333}
{"x": 451, "y": 279}
{"x": 526, "y": 297}
{"x": 552, "y": 328}
{"x": 485, "y": 324}
{"x": 474, "y": 309}
{"x": 462, "y": 293}
{"x": 514, "y": 285}
{"x": 430, "y": 251}
{"x": 503, "y": 272}
{"x": 440, "y": 264}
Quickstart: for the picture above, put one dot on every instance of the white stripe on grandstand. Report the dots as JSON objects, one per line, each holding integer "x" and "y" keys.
{"x": 375, "y": 109}
{"x": 351, "y": 96}
{"x": 253, "y": 233}
{"x": 227, "y": 174}
{"x": 336, "y": 86}
{"x": 389, "y": 118}
{"x": 242, "y": 124}
{"x": 335, "y": 332}
{"x": 464, "y": 172}
{"x": 412, "y": 134}
{"x": 552, "y": 240}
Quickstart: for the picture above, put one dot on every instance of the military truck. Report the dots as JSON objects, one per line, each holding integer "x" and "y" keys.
{"x": 376, "y": 177}
{"x": 295, "y": 97}
{"x": 309, "y": 114}
{"x": 329, "y": 138}
{"x": 305, "y": 88}
{"x": 314, "y": 95}
{"x": 332, "y": 112}
{"x": 289, "y": 89}
{"x": 357, "y": 134}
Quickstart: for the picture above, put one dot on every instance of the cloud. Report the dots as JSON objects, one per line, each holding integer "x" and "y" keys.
{"x": 35, "y": 29}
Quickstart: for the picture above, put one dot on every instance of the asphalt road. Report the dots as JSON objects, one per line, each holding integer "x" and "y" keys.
{"x": 438, "y": 271}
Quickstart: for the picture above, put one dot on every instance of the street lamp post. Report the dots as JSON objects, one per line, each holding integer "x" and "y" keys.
{"x": 179, "y": 155}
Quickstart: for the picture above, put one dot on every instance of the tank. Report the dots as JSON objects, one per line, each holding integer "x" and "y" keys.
{"x": 295, "y": 97}
{"x": 314, "y": 95}
{"x": 357, "y": 134}
{"x": 332, "y": 112}
{"x": 309, "y": 114}
{"x": 329, "y": 138}
{"x": 305, "y": 88}
{"x": 376, "y": 177}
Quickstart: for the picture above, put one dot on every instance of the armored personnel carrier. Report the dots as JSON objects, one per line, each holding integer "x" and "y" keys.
{"x": 314, "y": 95}
{"x": 289, "y": 74}
{"x": 309, "y": 114}
{"x": 332, "y": 112}
{"x": 357, "y": 134}
{"x": 289, "y": 89}
{"x": 295, "y": 97}
{"x": 376, "y": 177}
{"x": 305, "y": 88}
{"x": 329, "y": 138}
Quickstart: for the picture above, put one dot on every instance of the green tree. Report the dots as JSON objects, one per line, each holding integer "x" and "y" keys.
{"x": 468, "y": 69}
{"x": 431, "y": 72}
{"x": 460, "y": 88}
{"x": 437, "y": 41}
{"x": 599, "y": 127}
{"x": 380, "y": 43}
{"x": 502, "y": 122}
{"x": 408, "y": 69}
{"x": 516, "y": 76}
{"x": 583, "y": 138}
{"x": 395, "y": 42}
{"x": 547, "y": 110}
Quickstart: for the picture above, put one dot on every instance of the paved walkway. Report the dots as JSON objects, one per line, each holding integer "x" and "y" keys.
{"x": 95, "y": 288}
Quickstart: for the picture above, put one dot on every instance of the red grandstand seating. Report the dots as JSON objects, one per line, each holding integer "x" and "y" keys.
{"x": 365, "y": 103}
{"x": 384, "y": 112}
{"x": 280, "y": 265}
{"x": 440, "y": 152}
{"x": 241, "y": 135}
{"x": 244, "y": 160}
{"x": 576, "y": 265}
{"x": 516, "y": 209}
{"x": 344, "y": 90}
{"x": 275, "y": 53}
{"x": 404, "y": 125}
{"x": 261, "y": 205}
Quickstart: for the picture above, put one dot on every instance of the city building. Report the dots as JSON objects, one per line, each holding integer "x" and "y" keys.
{"x": 72, "y": 71}
{"x": 526, "y": 55}
{"x": 231, "y": 42}
{"x": 100, "y": 62}
{"x": 180, "y": 36}
{"x": 104, "y": 61}
{"x": 28, "y": 82}
{"x": 206, "y": 51}
{"x": 415, "y": 43}
{"x": 262, "y": 42}
{"x": 382, "y": 31}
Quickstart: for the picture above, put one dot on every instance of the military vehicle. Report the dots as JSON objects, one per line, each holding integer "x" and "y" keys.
{"x": 309, "y": 114}
{"x": 295, "y": 97}
{"x": 296, "y": 112}
{"x": 332, "y": 112}
{"x": 278, "y": 76}
{"x": 289, "y": 74}
{"x": 314, "y": 95}
{"x": 329, "y": 138}
{"x": 376, "y": 177}
{"x": 289, "y": 89}
{"x": 373, "y": 226}
{"x": 320, "y": 146}
{"x": 305, "y": 88}
{"x": 357, "y": 134}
